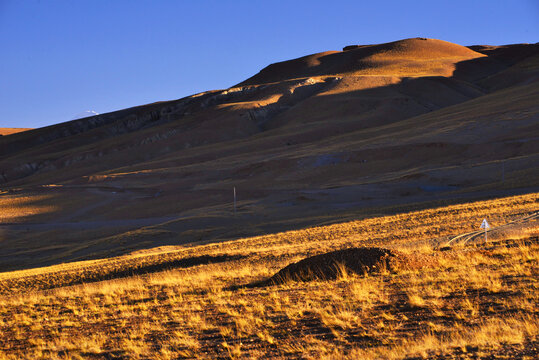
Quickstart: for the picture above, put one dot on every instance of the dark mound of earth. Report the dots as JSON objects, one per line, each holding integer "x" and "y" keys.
{"x": 330, "y": 265}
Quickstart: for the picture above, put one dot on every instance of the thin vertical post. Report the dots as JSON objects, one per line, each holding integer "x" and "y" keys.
{"x": 234, "y": 201}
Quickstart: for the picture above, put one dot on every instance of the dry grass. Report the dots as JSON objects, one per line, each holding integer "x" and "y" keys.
{"x": 17, "y": 207}
{"x": 478, "y": 300}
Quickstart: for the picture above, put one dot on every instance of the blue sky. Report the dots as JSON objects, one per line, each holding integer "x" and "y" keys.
{"x": 61, "y": 58}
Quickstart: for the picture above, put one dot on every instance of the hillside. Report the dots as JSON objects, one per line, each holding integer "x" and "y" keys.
{"x": 373, "y": 129}
{"x": 467, "y": 299}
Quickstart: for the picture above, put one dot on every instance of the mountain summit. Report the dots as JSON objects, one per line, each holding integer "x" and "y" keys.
{"x": 409, "y": 57}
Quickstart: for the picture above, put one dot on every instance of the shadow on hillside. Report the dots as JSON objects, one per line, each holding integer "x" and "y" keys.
{"x": 91, "y": 275}
{"x": 163, "y": 266}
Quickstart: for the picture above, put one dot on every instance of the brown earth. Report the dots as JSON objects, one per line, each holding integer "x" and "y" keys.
{"x": 341, "y": 134}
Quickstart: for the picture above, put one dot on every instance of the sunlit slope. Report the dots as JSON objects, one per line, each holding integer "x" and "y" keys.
{"x": 300, "y": 150}
{"x": 9, "y": 131}
{"x": 409, "y": 57}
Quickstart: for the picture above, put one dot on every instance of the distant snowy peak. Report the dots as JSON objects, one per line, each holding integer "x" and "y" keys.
{"x": 85, "y": 114}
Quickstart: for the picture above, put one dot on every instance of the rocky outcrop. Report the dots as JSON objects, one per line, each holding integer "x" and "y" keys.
{"x": 297, "y": 91}
{"x": 334, "y": 264}
{"x": 360, "y": 261}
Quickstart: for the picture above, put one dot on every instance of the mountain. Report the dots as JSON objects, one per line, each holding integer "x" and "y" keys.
{"x": 333, "y": 135}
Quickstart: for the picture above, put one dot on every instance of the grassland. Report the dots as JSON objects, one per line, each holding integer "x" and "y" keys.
{"x": 121, "y": 241}
{"x": 477, "y": 300}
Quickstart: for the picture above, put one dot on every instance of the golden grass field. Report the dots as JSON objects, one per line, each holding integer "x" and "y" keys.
{"x": 477, "y": 300}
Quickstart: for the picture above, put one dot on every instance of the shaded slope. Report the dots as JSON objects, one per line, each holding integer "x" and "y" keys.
{"x": 508, "y": 54}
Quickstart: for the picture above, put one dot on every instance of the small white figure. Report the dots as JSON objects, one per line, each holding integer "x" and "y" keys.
{"x": 486, "y": 226}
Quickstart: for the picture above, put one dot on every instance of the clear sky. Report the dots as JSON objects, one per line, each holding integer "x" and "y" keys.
{"x": 62, "y": 58}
